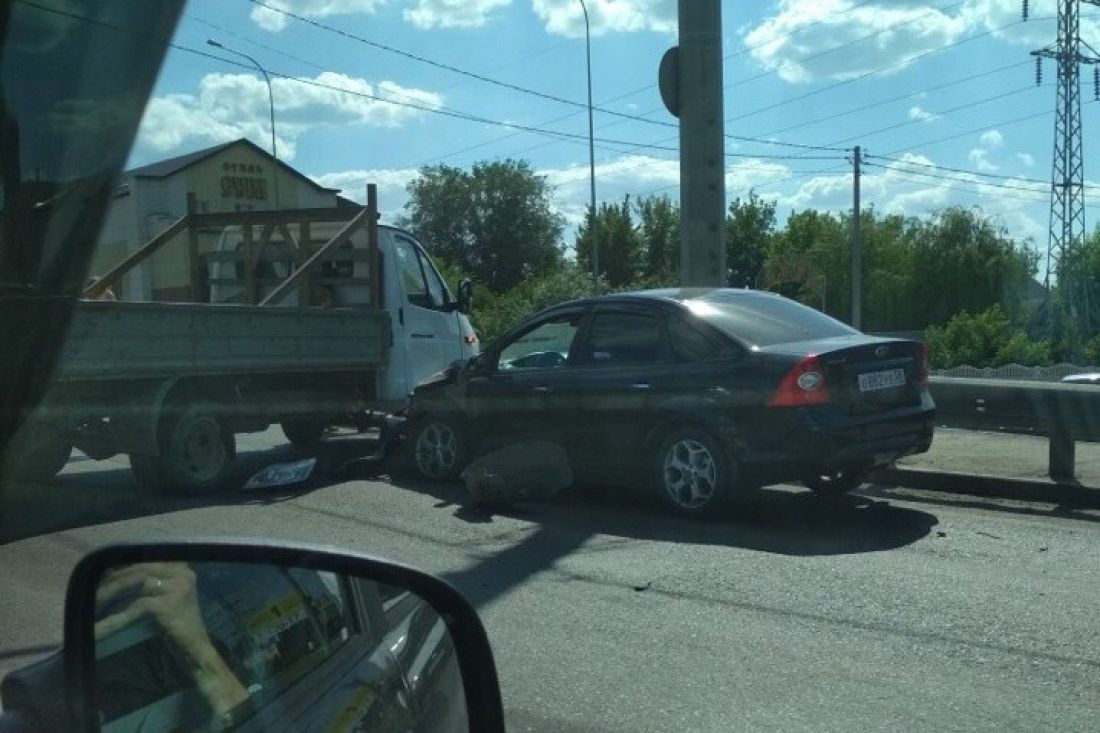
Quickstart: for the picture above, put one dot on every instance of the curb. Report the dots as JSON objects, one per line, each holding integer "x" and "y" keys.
{"x": 995, "y": 486}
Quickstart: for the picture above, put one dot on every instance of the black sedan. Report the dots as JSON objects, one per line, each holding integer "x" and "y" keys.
{"x": 699, "y": 395}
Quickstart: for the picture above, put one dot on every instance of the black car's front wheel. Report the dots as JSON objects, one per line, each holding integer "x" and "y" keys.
{"x": 692, "y": 472}
{"x": 439, "y": 448}
{"x": 837, "y": 482}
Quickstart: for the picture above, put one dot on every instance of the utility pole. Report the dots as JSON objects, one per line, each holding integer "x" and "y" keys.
{"x": 702, "y": 145}
{"x": 1067, "y": 184}
{"x": 591, "y": 150}
{"x": 857, "y": 244}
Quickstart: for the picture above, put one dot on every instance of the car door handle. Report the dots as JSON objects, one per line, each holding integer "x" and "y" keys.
{"x": 423, "y": 335}
{"x": 640, "y": 386}
{"x": 541, "y": 389}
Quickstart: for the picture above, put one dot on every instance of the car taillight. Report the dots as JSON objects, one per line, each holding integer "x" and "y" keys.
{"x": 803, "y": 385}
{"x": 922, "y": 365}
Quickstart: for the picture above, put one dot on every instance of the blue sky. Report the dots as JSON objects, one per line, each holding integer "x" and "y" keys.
{"x": 934, "y": 92}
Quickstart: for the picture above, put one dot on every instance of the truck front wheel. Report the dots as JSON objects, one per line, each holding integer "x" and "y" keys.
{"x": 196, "y": 454}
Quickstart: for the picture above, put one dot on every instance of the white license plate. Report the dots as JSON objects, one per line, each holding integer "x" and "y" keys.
{"x": 873, "y": 381}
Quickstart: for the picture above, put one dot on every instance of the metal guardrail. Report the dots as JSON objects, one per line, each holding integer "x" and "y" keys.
{"x": 1052, "y": 373}
{"x": 1065, "y": 413}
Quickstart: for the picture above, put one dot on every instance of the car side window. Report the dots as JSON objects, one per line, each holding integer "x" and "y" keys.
{"x": 689, "y": 343}
{"x": 623, "y": 338}
{"x": 411, "y": 274}
{"x": 547, "y": 345}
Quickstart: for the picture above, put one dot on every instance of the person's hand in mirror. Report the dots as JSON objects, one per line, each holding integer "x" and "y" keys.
{"x": 166, "y": 594}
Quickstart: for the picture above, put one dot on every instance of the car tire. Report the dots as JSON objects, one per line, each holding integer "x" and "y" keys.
{"x": 438, "y": 448}
{"x": 196, "y": 454}
{"x": 304, "y": 433}
{"x": 693, "y": 473}
{"x": 836, "y": 483}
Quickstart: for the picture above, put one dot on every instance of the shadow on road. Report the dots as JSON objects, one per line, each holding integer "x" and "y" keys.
{"x": 781, "y": 521}
{"x": 87, "y": 493}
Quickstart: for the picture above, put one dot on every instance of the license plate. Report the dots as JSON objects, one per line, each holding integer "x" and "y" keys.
{"x": 873, "y": 381}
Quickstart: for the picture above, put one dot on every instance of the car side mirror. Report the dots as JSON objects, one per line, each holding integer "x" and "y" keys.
{"x": 465, "y": 297}
{"x": 201, "y": 636}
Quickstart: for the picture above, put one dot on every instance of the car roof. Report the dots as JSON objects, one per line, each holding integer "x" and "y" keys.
{"x": 667, "y": 295}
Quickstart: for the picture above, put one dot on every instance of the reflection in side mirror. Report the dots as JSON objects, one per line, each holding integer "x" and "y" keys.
{"x": 220, "y": 638}
{"x": 465, "y": 297}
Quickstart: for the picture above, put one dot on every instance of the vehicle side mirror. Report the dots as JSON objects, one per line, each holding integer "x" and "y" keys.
{"x": 207, "y": 636}
{"x": 465, "y": 297}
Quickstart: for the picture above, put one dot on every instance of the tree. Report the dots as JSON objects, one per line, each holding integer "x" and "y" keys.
{"x": 750, "y": 225}
{"x": 963, "y": 260}
{"x": 659, "y": 229}
{"x": 620, "y": 248}
{"x": 495, "y": 221}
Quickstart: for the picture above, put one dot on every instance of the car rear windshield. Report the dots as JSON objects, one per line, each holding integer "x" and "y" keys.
{"x": 765, "y": 320}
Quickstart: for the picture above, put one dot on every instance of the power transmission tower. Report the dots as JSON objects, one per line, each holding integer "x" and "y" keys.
{"x": 1067, "y": 184}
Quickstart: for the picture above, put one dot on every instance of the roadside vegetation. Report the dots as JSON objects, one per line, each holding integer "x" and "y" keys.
{"x": 955, "y": 276}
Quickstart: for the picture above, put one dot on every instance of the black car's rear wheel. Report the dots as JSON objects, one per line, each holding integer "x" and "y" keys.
{"x": 692, "y": 472}
{"x": 835, "y": 483}
{"x": 439, "y": 448}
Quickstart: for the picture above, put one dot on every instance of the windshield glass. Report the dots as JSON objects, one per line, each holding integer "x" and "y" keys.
{"x": 736, "y": 360}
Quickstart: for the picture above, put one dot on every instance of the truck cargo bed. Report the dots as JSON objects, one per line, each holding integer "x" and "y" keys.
{"x": 113, "y": 340}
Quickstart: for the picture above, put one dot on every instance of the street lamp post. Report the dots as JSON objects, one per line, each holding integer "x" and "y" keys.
{"x": 591, "y": 148}
{"x": 271, "y": 106}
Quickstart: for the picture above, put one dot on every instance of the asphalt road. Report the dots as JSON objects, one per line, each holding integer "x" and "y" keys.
{"x": 889, "y": 611}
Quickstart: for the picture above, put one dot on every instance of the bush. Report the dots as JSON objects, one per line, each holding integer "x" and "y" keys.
{"x": 986, "y": 339}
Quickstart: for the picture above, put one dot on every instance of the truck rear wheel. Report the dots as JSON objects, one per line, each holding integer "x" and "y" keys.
{"x": 196, "y": 454}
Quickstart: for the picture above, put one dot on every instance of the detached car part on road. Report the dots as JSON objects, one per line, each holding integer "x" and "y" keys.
{"x": 701, "y": 395}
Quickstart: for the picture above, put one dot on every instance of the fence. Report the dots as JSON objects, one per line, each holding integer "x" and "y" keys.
{"x": 1016, "y": 372}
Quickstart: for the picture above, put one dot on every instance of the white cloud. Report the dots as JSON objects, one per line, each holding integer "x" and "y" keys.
{"x": 229, "y": 106}
{"x": 1026, "y": 159}
{"x": 989, "y": 141}
{"x": 272, "y": 20}
{"x": 391, "y": 187}
{"x": 979, "y": 158}
{"x": 566, "y": 18}
{"x": 808, "y": 40}
{"x": 916, "y": 112}
{"x": 992, "y": 139}
{"x": 429, "y": 14}
{"x": 797, "y": 40}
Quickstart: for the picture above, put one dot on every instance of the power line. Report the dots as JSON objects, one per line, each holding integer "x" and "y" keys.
{"x": 982, "y": 174}
{"x": 900, "y": 97}
{"x": 504, "y": 84}
{"x": 976, "y": 103}
{"x": 455, "y": 69}
{"x": 873, "y": 72}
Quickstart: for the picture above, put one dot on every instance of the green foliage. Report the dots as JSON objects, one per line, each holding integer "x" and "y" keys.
{"x": 986, "y": 339}
{"x": 495, "y": 221}
{"x": 916, "y": 271}
{"x": 659, "y": 229}
{"x": 621, "y": 249}
{"x": 494, "y": 314}
{"x": 750, "y": 226}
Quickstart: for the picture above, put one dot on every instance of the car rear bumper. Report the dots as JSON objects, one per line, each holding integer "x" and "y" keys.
{"x": 817, "y": 441}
